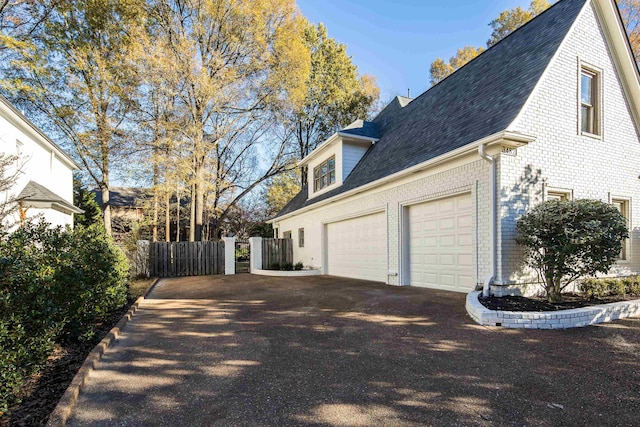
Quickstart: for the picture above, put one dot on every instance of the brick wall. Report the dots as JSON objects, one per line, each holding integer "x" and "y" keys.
{"x": 561, "y": 157}
{"x": 472, "y": 176}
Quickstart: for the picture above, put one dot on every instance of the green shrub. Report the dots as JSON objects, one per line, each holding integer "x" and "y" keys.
{"x": 601, "y": 288}
{"x": 566, "y": 240}
{"x": 55, "y": 284}
{"x": 633, "y": 285}
{"x": 274, "y": 266}
{"x": 287, "y": 266}
{"x": 299, "y": 266}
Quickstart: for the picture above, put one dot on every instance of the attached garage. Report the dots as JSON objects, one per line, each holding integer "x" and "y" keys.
{"x": 439, "y": 244}
{"x": 357, "y": 248}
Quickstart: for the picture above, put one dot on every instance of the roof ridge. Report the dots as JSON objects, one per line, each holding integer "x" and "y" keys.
{"x": 497, "y": 43}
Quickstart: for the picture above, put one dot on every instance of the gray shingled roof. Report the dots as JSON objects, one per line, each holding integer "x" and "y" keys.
{"x": 362, "y": 128}
{"x": 480, "y": 99}
{"x": 34, "y": 192}
{"x": 126, "y": 197}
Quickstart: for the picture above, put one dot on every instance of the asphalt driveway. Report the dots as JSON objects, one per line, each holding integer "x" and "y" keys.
{"x": 256, "y": 351}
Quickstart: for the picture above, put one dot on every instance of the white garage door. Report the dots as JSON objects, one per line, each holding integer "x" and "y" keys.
{"x": 440, "y": 237}
{"x": 357, "y": 248}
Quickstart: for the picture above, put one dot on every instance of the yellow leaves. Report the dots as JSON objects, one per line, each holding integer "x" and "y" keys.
{"x": 440, "y": 70}
{"x": 507, "y": 22}
{"x": 630, "y": 11}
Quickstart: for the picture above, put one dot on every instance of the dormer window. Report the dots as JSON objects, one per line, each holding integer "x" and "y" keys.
{"x": 324, "y": 174}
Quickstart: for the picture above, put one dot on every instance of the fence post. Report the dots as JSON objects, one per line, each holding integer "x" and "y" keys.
{"x": 255, "y": 254}
{"x": 229, "y": 256}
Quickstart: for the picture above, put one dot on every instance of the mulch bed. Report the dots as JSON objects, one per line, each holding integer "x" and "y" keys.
{"x": 41, "y": 393}
{"x": 513, "y": 303}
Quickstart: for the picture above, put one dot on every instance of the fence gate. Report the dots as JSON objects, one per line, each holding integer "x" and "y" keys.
{"x": 242, "y": 253}
{"x": 186, "y": 258}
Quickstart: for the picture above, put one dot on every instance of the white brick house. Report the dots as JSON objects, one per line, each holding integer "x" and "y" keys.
{"x": 433, "y": 198}
{"x": 44, "y": 185}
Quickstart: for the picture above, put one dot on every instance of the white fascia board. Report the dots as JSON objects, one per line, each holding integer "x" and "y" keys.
{"x": 320, "y": 148}
{"x": 358, "y": 137}
{"x": 27, "y": 126}
{"x": 494, "y": 143}
{"x": 616, "y": 37}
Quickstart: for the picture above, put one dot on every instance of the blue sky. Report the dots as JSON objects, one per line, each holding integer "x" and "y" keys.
{"x": 396, "y": 40}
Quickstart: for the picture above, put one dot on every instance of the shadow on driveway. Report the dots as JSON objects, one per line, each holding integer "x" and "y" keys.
{"x": 248, "y": 350}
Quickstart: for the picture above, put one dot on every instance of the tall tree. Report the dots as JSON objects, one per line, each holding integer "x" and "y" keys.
{"x": 335, "y": 96}
{"x": 507, "y": 22}
{"x": 630, "y": 11}
{"x": 80, "y": 72}
{"x": 440, "y": 70}
{"x": 279, "y": 191}
{"x": 512, "y": 19}
{"x": 232, "y": 64}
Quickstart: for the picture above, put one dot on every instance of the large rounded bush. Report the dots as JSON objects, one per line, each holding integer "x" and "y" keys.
{"x": 566, "y": 240}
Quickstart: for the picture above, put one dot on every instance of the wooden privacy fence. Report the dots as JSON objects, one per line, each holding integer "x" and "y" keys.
{"x": 186, "y": 258}
{"x": 276, "y": 251}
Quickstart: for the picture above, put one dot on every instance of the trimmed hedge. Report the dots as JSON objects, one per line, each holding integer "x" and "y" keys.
{"x": 55, "y": 286}
{"x": 600, "y": 288}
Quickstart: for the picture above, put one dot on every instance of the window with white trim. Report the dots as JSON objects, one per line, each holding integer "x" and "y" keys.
{"x": 301, "y": 237}
{"x": 286, "y": 235}
{"x": 324, "y": 174}
{"x": 590, "y": 102}
{"x": 558, "y": 194}
{"x": 623, "y": 207}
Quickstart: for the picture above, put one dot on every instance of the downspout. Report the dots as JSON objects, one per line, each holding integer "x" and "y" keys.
{"x": 492, "y": 224}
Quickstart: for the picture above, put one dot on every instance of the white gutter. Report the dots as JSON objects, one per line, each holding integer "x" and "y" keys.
{"x": 482, "y": 151}
{"x": 504, "y": 138}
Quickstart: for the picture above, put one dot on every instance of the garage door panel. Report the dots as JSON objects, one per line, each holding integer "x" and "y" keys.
{"x": 441, "y": 244}
{"x": 357, "y": 248}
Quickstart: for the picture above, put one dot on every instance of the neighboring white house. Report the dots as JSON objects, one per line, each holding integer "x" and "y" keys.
{"x": 428, "y": 193}
{"x": 44, "y": 185}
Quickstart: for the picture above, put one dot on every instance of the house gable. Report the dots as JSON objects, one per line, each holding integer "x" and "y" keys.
{"x": 563, "y": 158}
{"x": 481, "y": 99}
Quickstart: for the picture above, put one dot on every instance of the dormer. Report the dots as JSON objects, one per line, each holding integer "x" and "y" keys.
{"x": 329, "y": 165}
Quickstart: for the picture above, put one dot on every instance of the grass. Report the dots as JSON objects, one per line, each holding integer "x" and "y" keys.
{"x": 138, "y": 288}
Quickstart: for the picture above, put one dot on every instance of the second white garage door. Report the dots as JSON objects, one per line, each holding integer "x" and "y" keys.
{"x": 440, "y": 244}
{"x": 357, "y": 248}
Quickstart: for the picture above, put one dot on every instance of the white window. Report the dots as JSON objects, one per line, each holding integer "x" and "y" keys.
{"x": 590, "y": 101}
{"x": 623, "y": 207}
{"x": 301, "y": 237}
{"x": 275, "y": 232}
{"x": 324, "y": 174}
{"x": 558, "y": 194}
{"x": 286, "y": 235}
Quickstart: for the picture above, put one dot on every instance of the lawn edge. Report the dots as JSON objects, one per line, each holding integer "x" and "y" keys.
{"x": 62, "y": 411}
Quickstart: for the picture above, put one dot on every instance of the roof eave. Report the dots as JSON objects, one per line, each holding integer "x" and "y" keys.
{"x": 38, "y": 133}
{"x": 493, "y": 143}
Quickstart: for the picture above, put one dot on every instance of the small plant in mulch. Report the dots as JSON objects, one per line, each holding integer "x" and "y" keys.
{"x": 567, "y": 240}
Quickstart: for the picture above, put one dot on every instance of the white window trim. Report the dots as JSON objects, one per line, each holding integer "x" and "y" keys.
{"x": 301, "y": 237}
{"x": 318, "y": 191}
{"x": 557, "y": 190}
{"x": 599, "y": 116}
{"x": 628, "y": 246}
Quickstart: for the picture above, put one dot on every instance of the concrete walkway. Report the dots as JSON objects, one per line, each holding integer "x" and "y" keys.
{"x": 259, "y": 351}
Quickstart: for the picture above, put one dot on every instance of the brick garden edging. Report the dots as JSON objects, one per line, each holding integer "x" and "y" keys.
{"x": 62, "y": 411}
{"x": 562, "y": 319}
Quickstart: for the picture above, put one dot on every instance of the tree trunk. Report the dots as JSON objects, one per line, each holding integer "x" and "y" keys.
{"x": 156, "y": 202}
{"x": 178, "y": 217}
{"x": 192, "y": 219}
{"x": 167, "y": 217}
{"x": 199, "y": 211}
{"x": 106, "y": 207}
